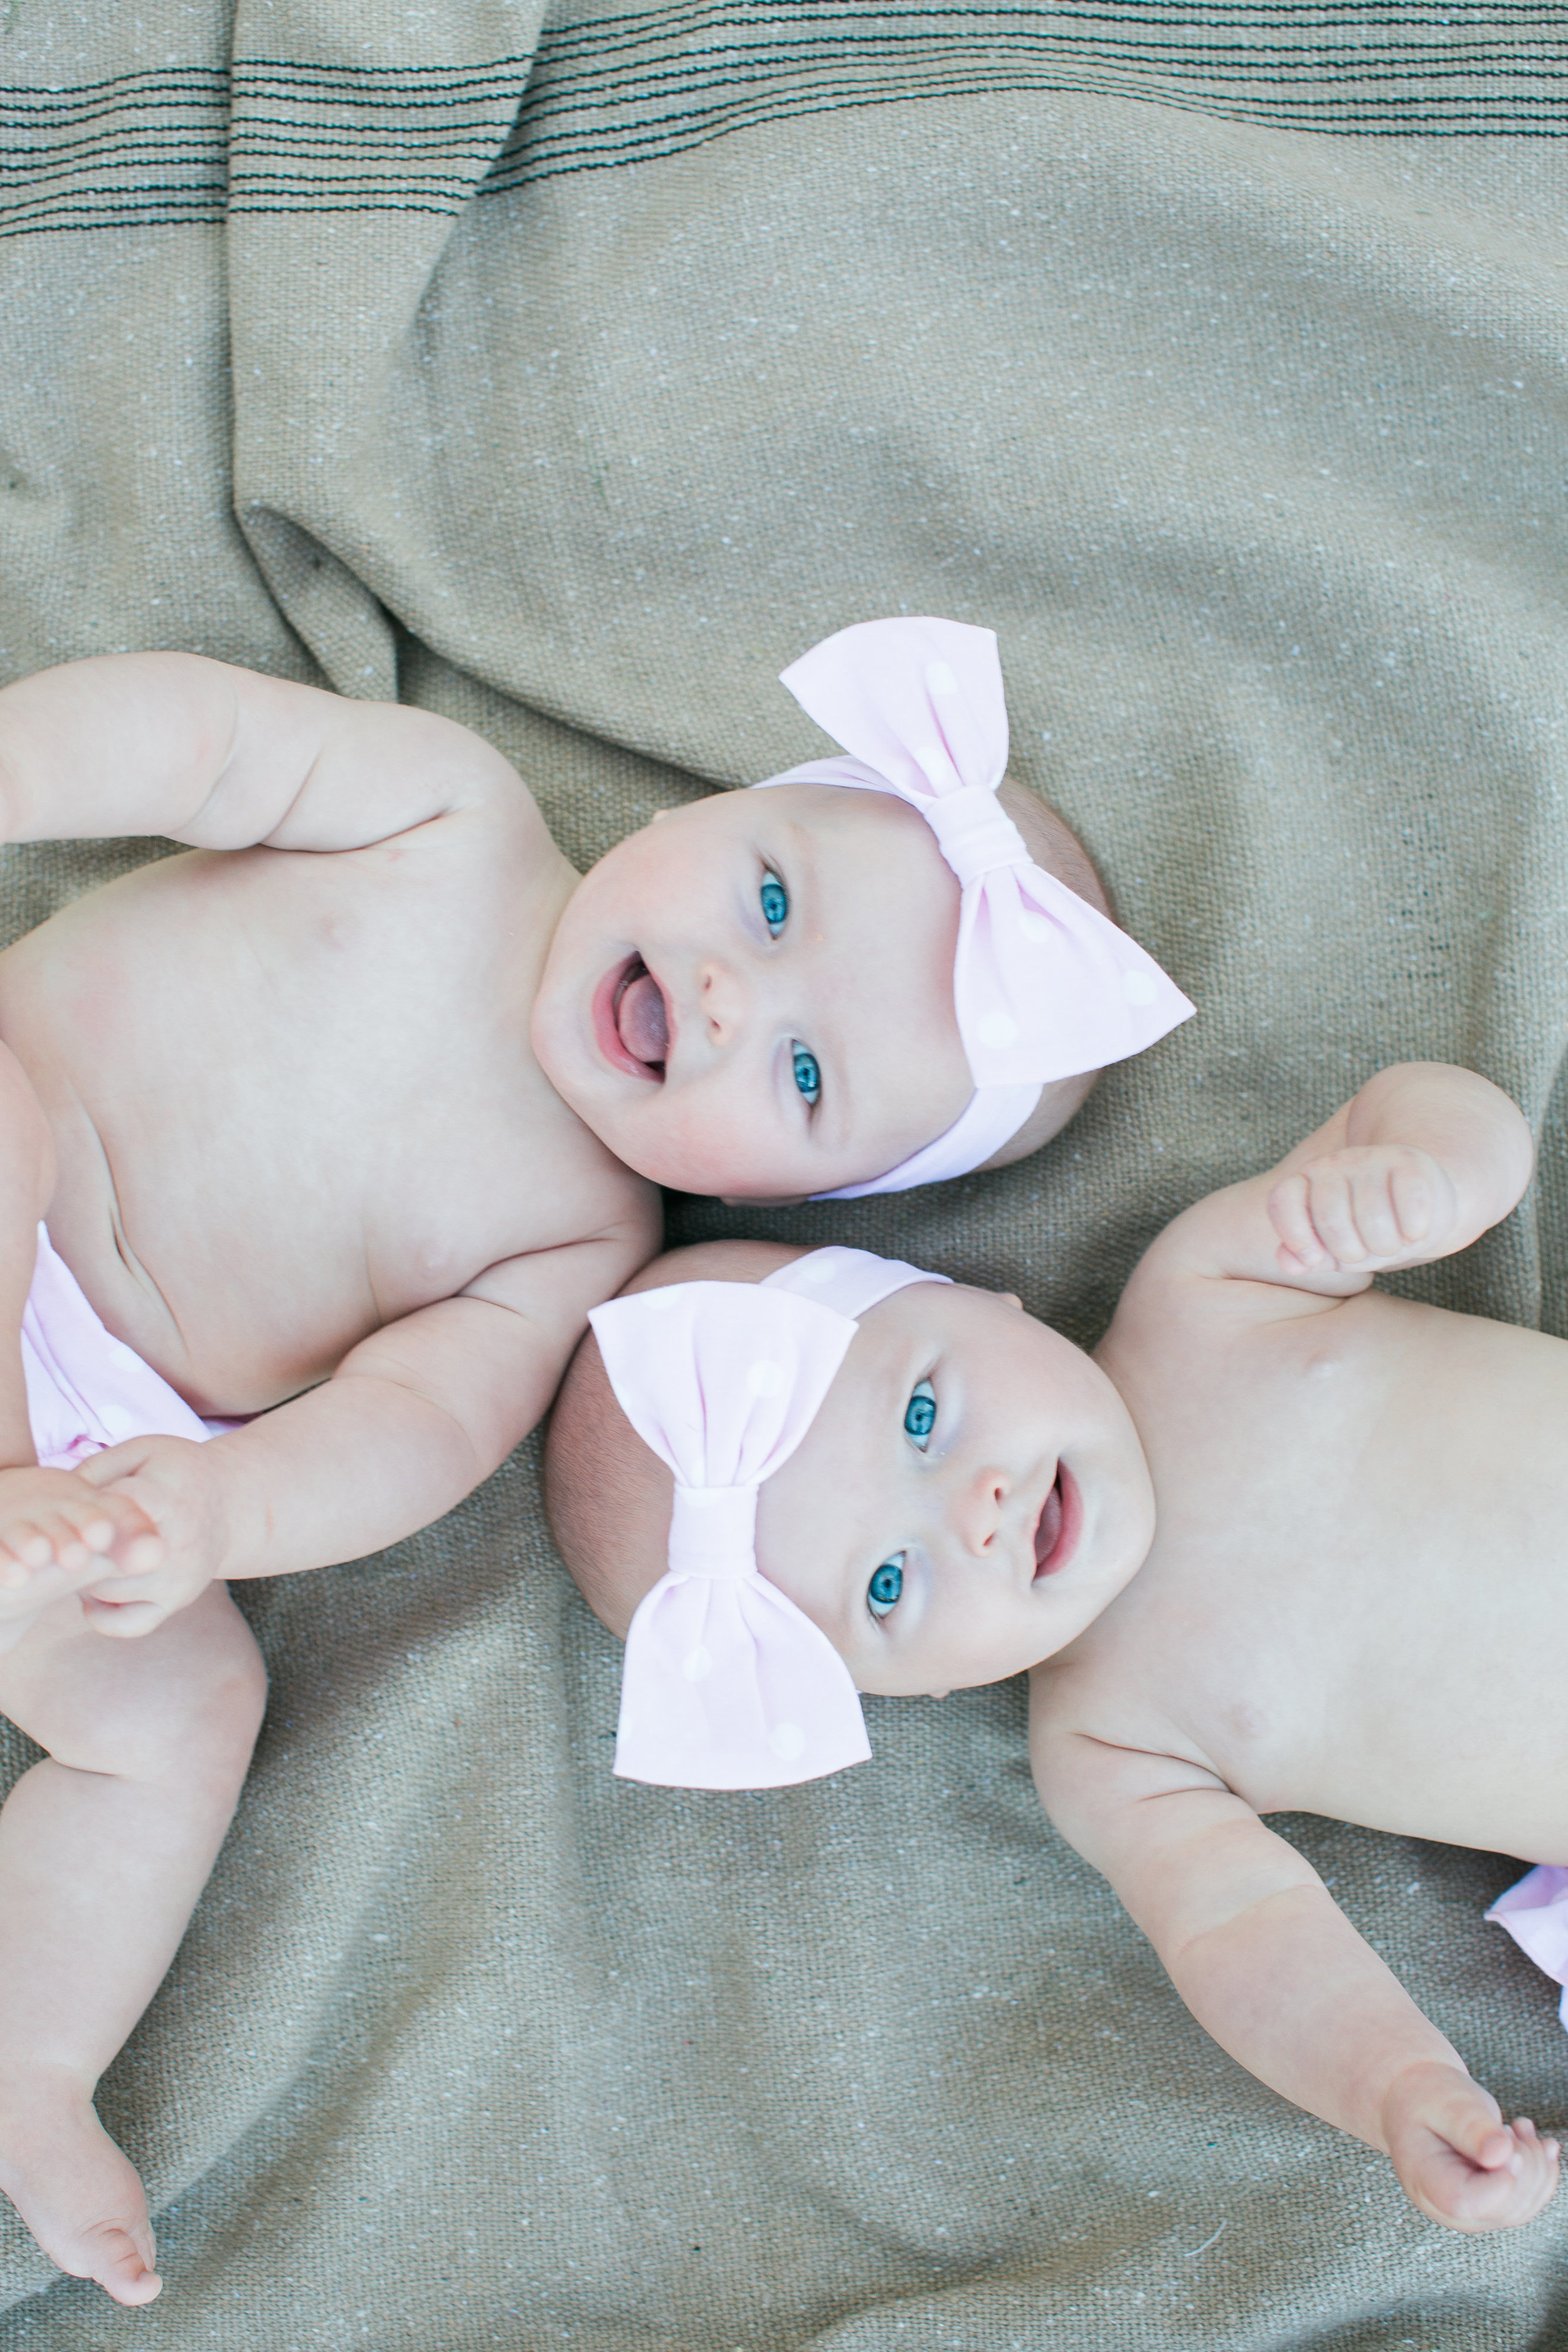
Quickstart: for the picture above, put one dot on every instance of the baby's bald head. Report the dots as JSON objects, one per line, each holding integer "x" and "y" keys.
{"x": 608, "y": 1496}
{"x": 1053, "y": 846}
{"x": 969, "y": 1494}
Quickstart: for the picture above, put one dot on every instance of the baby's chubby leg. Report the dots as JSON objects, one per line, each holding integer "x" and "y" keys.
{"x": 104, "y": 1848}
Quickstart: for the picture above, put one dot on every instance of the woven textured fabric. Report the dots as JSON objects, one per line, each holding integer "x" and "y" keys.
{"x": 369, "y": 122}
{"x": 1251, "y": 444}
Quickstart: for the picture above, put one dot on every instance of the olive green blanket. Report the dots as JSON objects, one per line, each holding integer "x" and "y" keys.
{"x": 571, "y": 371}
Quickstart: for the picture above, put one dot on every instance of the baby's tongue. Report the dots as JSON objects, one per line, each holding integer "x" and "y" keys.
{"x": 1049, "y": 1528}
{"x": 645, "y": 1032}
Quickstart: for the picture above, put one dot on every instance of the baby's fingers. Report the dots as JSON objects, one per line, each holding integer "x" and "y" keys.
{"x": 1354, "y": 1214}
{"x": 1390, "y": 1209}
{"x": 1291, "y": 1216}
{"x": 1314, "y": 1214}
{"x": 1366, "y": 1211}
{"x": 1414, "y": 1208}
{"x": 1460, "y": 2162}
{"x": 1504, "y": 2186}
{"x": 122, "y": 1621}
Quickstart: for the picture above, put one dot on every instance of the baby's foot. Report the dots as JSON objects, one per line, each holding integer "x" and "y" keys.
{"x": 79, "y": 2196}
{"x": 58, "y": 1533}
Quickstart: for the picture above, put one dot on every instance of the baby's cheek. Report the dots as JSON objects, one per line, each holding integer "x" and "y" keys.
{"x": 692, "y": 1146}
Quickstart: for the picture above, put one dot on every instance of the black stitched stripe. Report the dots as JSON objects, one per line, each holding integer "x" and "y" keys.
{"x": 617, "y": 88}
{"x": 141, "y": 149}
{"x": 183, "y": 144}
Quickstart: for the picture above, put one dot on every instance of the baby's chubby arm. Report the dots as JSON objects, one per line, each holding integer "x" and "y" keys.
{"x": 1272, "y": 1968}
{"x": 413, "y": 1418}
{"x": 223, "y": 758}
{"x": 1415, "y": 1167}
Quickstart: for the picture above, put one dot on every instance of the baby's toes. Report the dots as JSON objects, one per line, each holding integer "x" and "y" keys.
{"x": 130, "y": 1533}
{"x": 94, "y": 1527}
{"x": 27, "y": 1541}
{"x": 67, "y": 1542}
{"x": 15, "y": 1571}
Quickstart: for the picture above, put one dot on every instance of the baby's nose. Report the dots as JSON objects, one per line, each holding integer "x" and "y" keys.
{"x": 723, "y": 998}
{"x": 978, "y": 1510}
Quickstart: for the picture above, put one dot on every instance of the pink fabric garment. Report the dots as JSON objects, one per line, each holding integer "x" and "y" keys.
{"x": 727, "y": 1684}
{"x": 86, "y": 1390}
{"x": 1535, "y": 1911}
{"x": 1043, "y": 985}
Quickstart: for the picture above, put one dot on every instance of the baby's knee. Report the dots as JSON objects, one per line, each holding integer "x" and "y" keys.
{"x": 216, "y": 1726}
{"x": 240, "y": 1698}
{"x": 196, "y": 1722}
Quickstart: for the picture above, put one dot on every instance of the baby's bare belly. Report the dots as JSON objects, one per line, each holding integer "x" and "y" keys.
{"x": 275, "y": 1134}
{"x": 200, "y": 1289}
{"x": 1376, "y": 1626}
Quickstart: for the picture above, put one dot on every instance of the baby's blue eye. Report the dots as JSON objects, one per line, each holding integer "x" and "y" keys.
{"x": 919, "y": 1414}
{"x": 882, "y": 1592}
{"x": 775, "y": 904}
{"x": 807, "y": 1077}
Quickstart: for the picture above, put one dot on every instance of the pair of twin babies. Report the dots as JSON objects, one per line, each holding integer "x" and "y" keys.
{"x": 345, "y": 1123}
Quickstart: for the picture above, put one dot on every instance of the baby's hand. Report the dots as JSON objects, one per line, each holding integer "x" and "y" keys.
{"x": 1456, "y": 2157}
{"x": 170, "y": 1483}
{"x": 1361, "y": 1209}
{"x": 58, "y": 1534}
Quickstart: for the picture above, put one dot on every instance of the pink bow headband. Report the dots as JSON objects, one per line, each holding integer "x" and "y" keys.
{"x": 1043, "y": 984}
{"x": 727, "y": 1684}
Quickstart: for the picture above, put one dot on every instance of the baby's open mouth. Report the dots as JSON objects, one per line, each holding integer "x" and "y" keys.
{"x": 1056, "y": 1531}
{"x": 640, "y": 1017}
{"x": 631, "y": 1019}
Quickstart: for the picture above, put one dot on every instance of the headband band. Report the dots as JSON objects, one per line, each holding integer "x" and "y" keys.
{"x": 727, "y": 1684}
{"x": 1043, "y": 985}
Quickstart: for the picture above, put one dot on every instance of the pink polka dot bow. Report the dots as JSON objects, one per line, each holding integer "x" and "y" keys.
{"x": 1043, "y": 984}
{"x": 727, "y": 1684}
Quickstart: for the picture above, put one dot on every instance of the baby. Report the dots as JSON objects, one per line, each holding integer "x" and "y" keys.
{"x": 857, "y": 1476}
{"x": 333, "y": 1121}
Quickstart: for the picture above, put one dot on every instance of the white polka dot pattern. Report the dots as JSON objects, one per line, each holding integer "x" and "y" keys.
{"x": 1073, "y": 991}
{"x": 996, "y": 1029}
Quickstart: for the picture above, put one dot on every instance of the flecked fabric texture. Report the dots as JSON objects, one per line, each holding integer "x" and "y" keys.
{"x": 1250, "y": 442}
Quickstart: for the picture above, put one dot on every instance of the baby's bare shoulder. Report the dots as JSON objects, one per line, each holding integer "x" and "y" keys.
{"x": 1100, "y": 1732}
{"x": 320, "y": 772}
